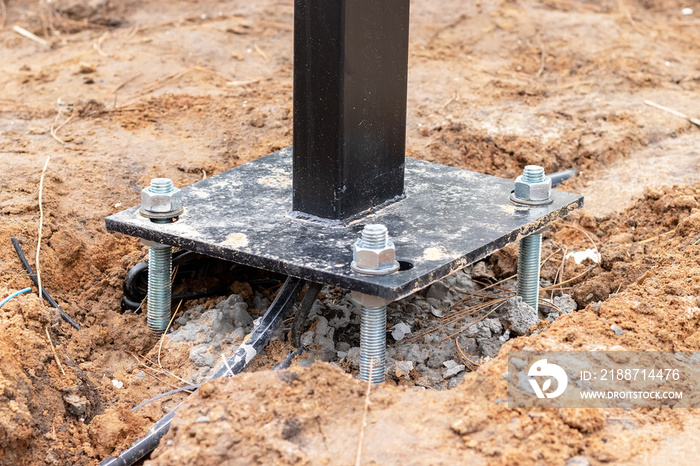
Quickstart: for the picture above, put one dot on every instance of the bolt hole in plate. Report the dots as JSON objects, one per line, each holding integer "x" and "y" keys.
{"x": 449, "y": 219}
{"x": 405, "y": 265}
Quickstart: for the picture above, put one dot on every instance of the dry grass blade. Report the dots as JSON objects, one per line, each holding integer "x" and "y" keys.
{"x": 499, "y": 282}
{"x": 24, "y": 33}
{"x": 97, "y": 45}
{"x": 457, "y": 316}
{"x": 146, "y": 366}
{"x": 464, "y": 356}
{"x": 551, "y": 287}
{"x": 499, "y": 288}
{"x": 358, "y": 457}
{"x": 694, "y": 121}
{"x": 649, "y": 240}
{"x": 162, "y": 337}
{"x": 54, "y": 129}
{"x": 473, "y": 323}
{"x": 228, "y": 368}
{"x": 560, "y": 271}
{"x": 477, "y": 295}
{"x": 164, "y": 371}
{"x": 586, "y": 233}
{"x": 471, "y": 310}
{"x": 41, "y": 224}
{"x": 551, "y": 306}
{"x": 53, "y": 349}
{"x": 260, "y": 52}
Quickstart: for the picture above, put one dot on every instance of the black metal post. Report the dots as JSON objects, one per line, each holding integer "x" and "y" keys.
{"x": 350, "y": 74}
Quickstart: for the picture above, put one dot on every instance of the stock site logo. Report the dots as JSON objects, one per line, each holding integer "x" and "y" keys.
{"x": 542, "y": 368}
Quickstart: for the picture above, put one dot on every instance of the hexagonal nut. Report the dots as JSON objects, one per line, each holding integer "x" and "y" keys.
{"x": 161, "y": 203}
{"x": 362, "y": 299}
{"x": 533, "y": 191}
{"x": 366, "y": 258}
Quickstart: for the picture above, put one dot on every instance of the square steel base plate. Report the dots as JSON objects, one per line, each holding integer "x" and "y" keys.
{"x": 449, "y": 219}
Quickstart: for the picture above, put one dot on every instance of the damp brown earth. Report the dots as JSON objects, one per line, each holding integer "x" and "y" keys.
{"x": 120, "y": 92}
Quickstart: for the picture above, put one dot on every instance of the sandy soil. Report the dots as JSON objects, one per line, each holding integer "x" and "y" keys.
{"x": 122, "y": 92}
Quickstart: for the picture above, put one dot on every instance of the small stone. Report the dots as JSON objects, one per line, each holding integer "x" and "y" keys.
{"x": 402, "y": 369}
{"x": 77, "y": 404}
{"x": 353, "y": 356}
{"x": 519, "y": 316}
{"x": 481, "y": 272}
{"x": 241, "y": 318}
{"x": 505, "y": 337}
{"x": 452, "y": 369}
{"x": 437, "y": 291}
{"x": 307, "y": 338}
{"x": 490, "y": 348}
{"x": 494, "y": 325}
{"x": 342, "y": 346}
{"x": 203, "y": 419}
{"x": 322, "y": 327}
{"x": 454, "y": 381}
{"x": 483, "y": 331}
{"x": 190, "y": 332}
{"x": 400, "y": 330}
{"x": 618, "y": 331}
{"x": 437, "y": 311}
{"x": 260, "y": 302}
{"x": 238, "y": 334}
{"x": 338, "y": 315}
{"x": 450, "y": 364}
{"x": 140, "y": 376}
{"x": 200, "y": 356}
{"x": 325, "y": 343}
{"x": 219, "y": 324}
{"x": 117, "y": 383}
{"x": 565, "y": 303}
{"x": 578, "y": 461}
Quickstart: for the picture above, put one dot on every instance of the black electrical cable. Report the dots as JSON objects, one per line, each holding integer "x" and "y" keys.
{"x": 32, "y": 275}
{"x": 286, "y": 362}
{"x": 302, "y": 313}
{"x": 239, "y": 360}
{"x": 186, "y": 263}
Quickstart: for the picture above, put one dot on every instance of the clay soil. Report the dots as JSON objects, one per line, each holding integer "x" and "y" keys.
{"x": 120, "y": 92}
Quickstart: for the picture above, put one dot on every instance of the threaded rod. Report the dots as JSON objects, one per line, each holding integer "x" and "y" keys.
{"x": 374, "y": 236}
{"x": 529, "y": 253}
{"x": 159, "y": 287}
{"x": 373, "y": 343}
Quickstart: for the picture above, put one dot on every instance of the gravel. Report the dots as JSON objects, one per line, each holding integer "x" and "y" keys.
{"x": 332, "y": 333}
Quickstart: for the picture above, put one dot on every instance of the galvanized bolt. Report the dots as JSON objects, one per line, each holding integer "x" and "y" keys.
{"x": 160, "y": 260}
{"x": 530, "y": 247}
{"x": 160, "y": 264}
{"x": 373, "y": 343}
{"x": 375, "y": 240}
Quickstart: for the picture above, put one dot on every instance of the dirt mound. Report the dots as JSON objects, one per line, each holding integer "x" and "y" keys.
{"x": 310, "y": 416}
